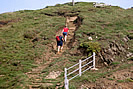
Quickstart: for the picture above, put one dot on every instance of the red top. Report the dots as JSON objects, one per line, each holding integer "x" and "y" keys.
{"x": 65, "y": 30}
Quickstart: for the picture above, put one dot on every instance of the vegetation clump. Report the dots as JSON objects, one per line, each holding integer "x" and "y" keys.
{"x": 91, "y": 46}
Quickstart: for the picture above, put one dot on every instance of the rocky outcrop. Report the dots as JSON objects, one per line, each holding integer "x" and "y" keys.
{"x": 113, "y": 51}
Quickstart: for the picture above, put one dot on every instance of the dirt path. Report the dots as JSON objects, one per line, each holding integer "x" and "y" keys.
{"x": 72, "y": 28}
{"x": 35, "y": 76}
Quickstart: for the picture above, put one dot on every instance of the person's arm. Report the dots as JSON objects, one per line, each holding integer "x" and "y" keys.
{"x": 62, "y": 39}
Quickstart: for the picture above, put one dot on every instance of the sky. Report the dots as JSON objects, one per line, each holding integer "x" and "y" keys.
{"x": 16, "y": 5}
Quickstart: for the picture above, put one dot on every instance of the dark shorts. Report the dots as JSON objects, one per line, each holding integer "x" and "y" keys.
{"x": 64, "y": 33}
{"x": 59, "y": 43}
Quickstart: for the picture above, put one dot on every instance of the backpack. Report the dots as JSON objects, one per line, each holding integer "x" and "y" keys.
{"x": 58, "y": 38}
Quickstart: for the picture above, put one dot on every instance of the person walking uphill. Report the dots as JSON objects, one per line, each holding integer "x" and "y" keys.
{"x": 65, "y": 32}
{"x": 59, "y": 40}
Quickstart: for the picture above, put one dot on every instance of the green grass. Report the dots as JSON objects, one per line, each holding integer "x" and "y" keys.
{"x": 17, "y": 51}
{"x": 125, "y": 80}
{"x": 120, "y": 81}
{"x": 18, "y": 48}
{"x": 130, "y": 58}
{"x": 110, "y": 79}
{"x": 115, "y": 63}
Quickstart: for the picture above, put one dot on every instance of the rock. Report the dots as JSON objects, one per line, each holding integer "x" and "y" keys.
{"x": 90, "y": 38}
{"x": 112, "y": 59}
{"x": 126, "y": 75}
{"x": 2, "y": 75}
{"x": 129, "y": 54}
{"x": 35, "y": 18}
{"x": 53, "y": 75}
{"x": 94, "y": 69}
{"x": 114, "y": 49}
{"x": 84, "y": 87}
{"x": 110, "y": 51}
{"x": 125, "y": 39}
{"x": 106, "y": 63}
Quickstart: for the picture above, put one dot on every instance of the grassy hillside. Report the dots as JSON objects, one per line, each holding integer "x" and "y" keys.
{"x": 25, "y": 36}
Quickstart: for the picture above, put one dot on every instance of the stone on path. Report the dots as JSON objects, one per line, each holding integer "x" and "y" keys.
{"x": 53, "y": 75}
{"x": 94, "y": 69}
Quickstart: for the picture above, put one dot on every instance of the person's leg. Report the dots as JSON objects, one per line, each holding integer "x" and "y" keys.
{"x": 61, "y": 45}
{"x": 61, "y": 48}
{"x": 65, "y": 38}
{"x": 58, "y": 49}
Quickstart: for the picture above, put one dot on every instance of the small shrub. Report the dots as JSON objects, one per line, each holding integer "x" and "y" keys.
{"x": 84, "y": 45}
{"x": 91, "y": 46}
{"x": 94, "y": 47}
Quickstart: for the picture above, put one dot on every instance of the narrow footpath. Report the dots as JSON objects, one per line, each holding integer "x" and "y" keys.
{"x": 72, "y": 27}
{"x": 35, "y": 76}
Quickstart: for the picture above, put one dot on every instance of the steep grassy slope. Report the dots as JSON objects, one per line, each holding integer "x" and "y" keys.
{"x": 25, "y": 36}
